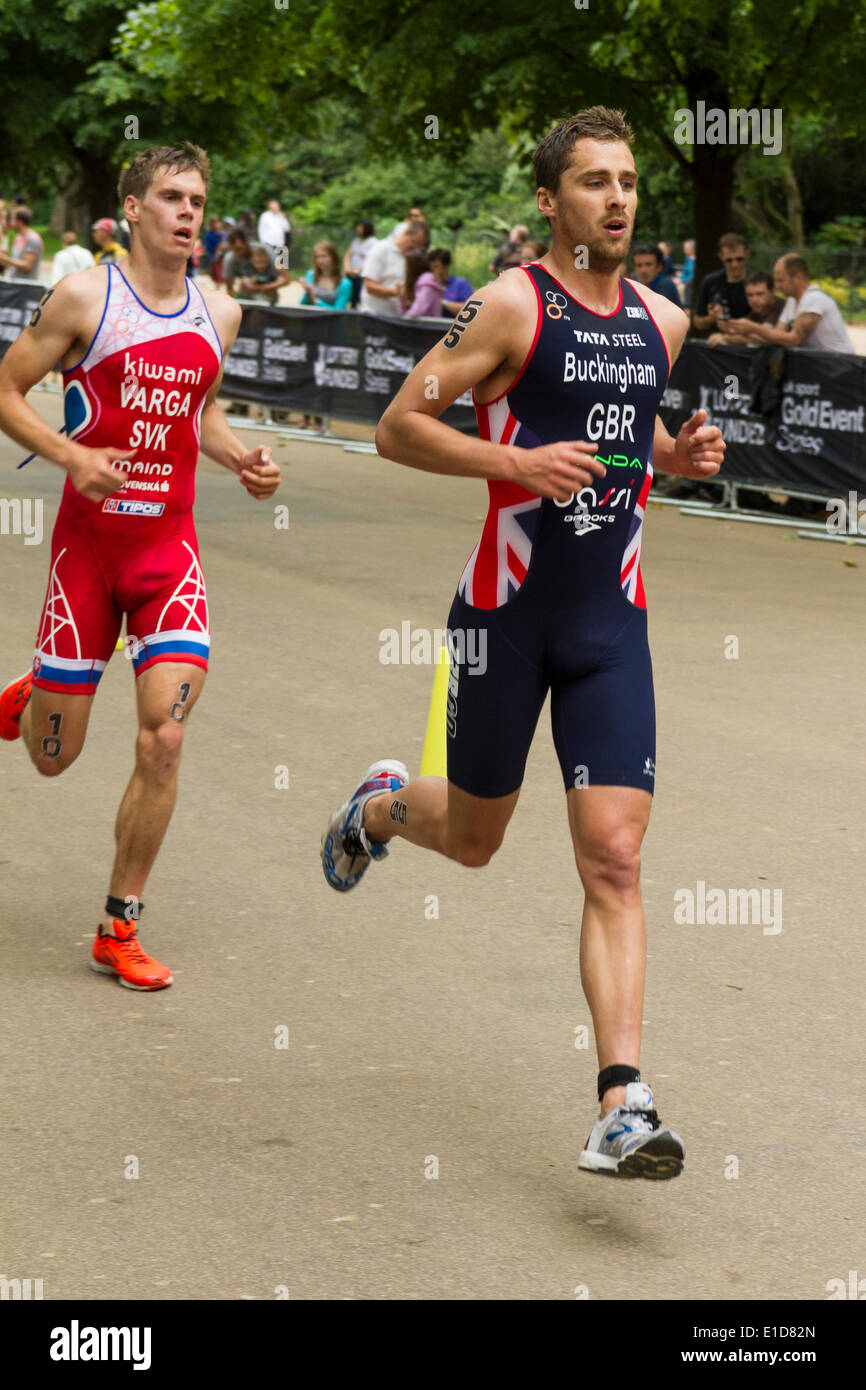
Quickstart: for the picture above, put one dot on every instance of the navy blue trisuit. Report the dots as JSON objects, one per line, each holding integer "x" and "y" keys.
{"x": 551, "y": 597}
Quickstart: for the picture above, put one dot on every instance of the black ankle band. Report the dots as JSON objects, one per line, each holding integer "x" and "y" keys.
{"x": 124, "y": 909}
{"x": 616, "y": 1076}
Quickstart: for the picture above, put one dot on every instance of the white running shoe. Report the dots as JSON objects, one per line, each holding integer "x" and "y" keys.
{"x": 346, "y": 850}
{"x": 629, "y": 1141}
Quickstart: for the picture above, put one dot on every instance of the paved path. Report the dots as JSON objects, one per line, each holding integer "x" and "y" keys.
{"x": 452, "y": 1037}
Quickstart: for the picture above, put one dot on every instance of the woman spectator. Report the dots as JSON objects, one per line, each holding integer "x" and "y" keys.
{"x": 324, "y": 287}
{"x": 353, "y": 261}
{"x": 422, "y": 292}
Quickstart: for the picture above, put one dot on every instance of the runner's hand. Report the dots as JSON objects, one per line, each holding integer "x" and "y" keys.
{"x": 699, "y": 449}
{"x": 259, "y": 474}
{"x": 92, "y": 473}
{"x": 557, "y": 470}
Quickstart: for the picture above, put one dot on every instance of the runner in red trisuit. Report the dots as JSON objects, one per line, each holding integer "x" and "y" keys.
{"x": 142, "y": 351}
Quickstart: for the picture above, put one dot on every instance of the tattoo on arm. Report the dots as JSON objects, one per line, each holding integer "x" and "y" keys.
{"x": 466, "y": 315}
{"x": 37, "y": 312}
{"x": 398, "y": 811}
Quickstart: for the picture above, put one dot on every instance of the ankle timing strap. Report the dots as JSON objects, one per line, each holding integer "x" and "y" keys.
{"x": 123, "y": 909}
{"x": 616, "y": 1076}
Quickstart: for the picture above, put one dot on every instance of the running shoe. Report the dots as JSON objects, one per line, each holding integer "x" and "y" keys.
{"x": 12, "y": 701}
{"x": 346, "y": 850}
{"x": 120, "y": 954}
{"x": 629, "y": 1141}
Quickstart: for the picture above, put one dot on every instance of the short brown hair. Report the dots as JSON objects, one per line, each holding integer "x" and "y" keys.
{"x": 730, "y": 241}
{"x": 554, "y": 152}
{"x": 795, "y": 265}
{"x": 139, "y": 175}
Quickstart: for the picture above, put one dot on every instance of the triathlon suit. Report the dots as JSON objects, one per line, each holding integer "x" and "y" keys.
{"x": 141, "y": 385}
{"x": 551, "y": 597}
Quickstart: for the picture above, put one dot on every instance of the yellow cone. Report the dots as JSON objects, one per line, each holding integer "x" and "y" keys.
{"x": 434, "y": 763}
{"x": 118, "y": 646}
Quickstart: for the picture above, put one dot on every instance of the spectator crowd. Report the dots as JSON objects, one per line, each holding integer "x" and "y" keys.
{"x": 402, "y": 275}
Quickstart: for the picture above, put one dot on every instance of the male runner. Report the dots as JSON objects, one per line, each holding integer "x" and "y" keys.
{"x": 568, "y": 362}
{"x": 142, "y": 354}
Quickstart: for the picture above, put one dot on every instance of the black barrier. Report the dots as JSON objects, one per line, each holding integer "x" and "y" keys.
{"x": 18, "y": 299}
{"x": 324, "y": 362}
{"x": 791, "y": 418}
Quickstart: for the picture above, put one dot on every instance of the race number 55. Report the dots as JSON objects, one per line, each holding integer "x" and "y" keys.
{"x": 466, "y": 315}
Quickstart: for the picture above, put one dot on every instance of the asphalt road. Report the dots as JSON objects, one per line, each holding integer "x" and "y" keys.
{"x": 410, "y": 1037}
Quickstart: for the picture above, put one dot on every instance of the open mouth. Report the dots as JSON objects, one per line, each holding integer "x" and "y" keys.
{"x": 183, "y": 235}
{"x": 615, "y": 227}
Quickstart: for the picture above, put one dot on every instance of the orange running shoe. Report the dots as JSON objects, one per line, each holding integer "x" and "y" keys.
{"x": 12, "y": 702}
{"x": 122, "y": 956}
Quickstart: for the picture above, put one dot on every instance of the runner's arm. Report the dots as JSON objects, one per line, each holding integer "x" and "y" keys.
{"x": 217, "y": 440}
{"x": 698, "y": 449}
{"x": 254, "y": 467}
{"x": 53, "y": 328}
{"x": 480, "y": 340}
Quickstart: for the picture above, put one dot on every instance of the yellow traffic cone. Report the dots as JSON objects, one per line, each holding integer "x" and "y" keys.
{"x": 434, "y": 762}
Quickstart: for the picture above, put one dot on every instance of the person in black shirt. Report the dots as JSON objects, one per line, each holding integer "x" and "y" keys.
{"x": 722, "y": 293}
{"x": 765, "y": 306}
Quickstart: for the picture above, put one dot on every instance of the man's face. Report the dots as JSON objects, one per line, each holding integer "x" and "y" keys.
{"x": 101, "y": 236}
{"x": 408, "y": 241}
{"x": 440, "y": 270}
{"x": 784, "y": 281}
{"x": 260, "y": 262}
{"x": 735, "y": 259}
{"x": 169, "y": 216}
{"x": 416, "y": 212}
{"x": 646, "y": 268}
{"x": 759, "y": 296}
{"x": 596, "y": 202}
{"x": 274, "y": 205}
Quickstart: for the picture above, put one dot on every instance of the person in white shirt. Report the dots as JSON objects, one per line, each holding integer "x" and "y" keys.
{"x": 72, "y": 257}
{"x": 385, "y": 269}
{"x": 274, "y": 229}
{"x": 810, "y": 318}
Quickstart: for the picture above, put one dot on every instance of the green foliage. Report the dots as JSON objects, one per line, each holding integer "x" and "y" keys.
{"x": 847, "y": 230}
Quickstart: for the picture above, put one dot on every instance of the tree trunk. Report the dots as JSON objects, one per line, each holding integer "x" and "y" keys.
{"x": 98, "y": 185}
{"x": 712, "y": 175}
{"x": 793, "y": 201}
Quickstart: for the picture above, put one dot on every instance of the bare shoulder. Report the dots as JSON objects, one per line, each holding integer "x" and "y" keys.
{"x": 76, "y": 296}
{"x": 512, "y": 290}
{"x": 673, "y": 321}
{"x": 493, "y": 310}
{"x": 225, "y": 312}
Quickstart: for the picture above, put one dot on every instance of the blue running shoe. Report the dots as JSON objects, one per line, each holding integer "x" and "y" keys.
{"x": 629, "y": 1141}
{"x": 346, "y": 850}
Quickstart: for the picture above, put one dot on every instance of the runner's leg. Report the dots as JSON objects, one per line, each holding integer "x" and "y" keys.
{"x": 433, "y": 813}
{"x": 607, "y": 828}
{"x": 166, "y": 693}
{"x": 53, "y": 728}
